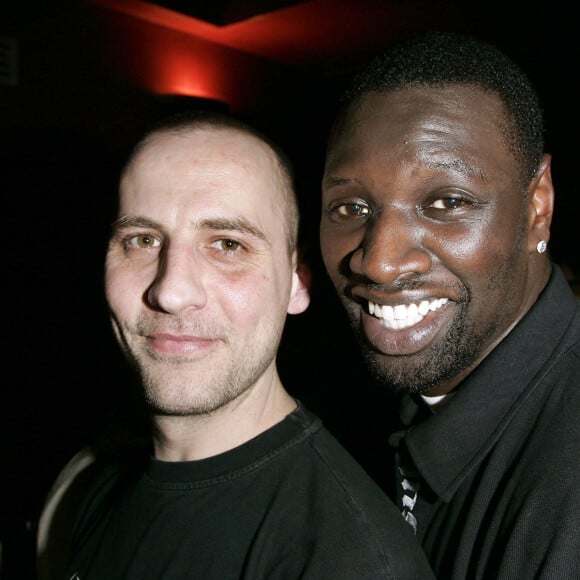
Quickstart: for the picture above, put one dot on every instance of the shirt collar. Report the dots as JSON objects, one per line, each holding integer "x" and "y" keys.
{"x": 485, "y": 402}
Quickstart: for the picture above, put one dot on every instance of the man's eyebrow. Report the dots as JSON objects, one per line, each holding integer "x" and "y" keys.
{"x": 217, "y": 224}
{"x": 338, "y": 181}
{"x": 459, "y": 166}
{"x": 234, "y": 225}
{"x": 128, "y": 221}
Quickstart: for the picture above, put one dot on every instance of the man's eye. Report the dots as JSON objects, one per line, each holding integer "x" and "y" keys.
{"x": 227, "y": 245}
{"x": 145, "y": 241}
{"x": 347, "y": 210}
{"x": 448, "y": 203}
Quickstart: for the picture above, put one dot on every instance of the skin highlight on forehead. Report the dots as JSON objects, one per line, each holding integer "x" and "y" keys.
{"x": 282, "y": 180}
{"x": 437, "y": 137}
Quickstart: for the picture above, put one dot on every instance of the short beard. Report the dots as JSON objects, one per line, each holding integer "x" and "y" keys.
{"x": 201, "y": 390}
{"x": 407, "y": 373}
{"x": 196, "y": 404}
{"x": 205, "y": 398}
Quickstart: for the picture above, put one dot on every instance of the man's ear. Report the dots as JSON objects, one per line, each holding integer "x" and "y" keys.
{"x": 301, "y": 285}
{"x": 541, "y": 205}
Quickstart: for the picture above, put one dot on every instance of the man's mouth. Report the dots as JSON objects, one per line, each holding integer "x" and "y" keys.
{"x": 404, "y": 315}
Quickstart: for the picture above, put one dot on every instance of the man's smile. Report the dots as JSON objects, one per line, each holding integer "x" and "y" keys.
{"x": 404, "y": 315}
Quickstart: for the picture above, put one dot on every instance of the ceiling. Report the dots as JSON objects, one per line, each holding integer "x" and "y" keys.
{"x": 105, "y": 65}
{"x": 252, "y": 55}
{"x": 222, "y": 13}
{"x": 316, "y": 34}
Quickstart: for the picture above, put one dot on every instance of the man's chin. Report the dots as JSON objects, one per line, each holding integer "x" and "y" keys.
{"x": 400, "y": 374}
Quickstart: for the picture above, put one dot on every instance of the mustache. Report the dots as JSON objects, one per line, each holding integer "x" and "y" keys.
{"x": 182, "y": 326}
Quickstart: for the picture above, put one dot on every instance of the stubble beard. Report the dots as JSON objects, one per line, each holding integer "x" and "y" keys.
{"x": 459, "y": 351}
{"x": 180, "y": 387}
{"x": 418, "y": 374}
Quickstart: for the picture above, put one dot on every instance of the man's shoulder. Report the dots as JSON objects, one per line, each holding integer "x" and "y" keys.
{"x": 347, "y": 524}
{"x": 346, "y": 482}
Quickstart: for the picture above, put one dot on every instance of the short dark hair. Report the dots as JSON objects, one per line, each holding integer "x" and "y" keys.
{"x": 439, "y": 58}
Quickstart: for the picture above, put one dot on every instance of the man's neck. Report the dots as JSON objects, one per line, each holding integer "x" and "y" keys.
{"x": 195, "y": 437}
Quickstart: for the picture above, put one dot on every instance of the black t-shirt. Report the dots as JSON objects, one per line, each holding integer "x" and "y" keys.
{"x": 289, "y": 504}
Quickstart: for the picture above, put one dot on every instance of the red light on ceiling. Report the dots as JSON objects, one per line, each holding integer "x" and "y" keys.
{"x": 168, "y": 62}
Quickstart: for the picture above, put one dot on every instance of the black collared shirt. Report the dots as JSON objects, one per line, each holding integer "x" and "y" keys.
{"x": 499, "y": 465}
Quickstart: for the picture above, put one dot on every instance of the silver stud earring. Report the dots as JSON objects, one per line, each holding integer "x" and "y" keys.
{"x": 541, "y": 247}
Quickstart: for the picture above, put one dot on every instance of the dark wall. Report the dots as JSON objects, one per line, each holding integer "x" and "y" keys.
{"x": 65, "y": 128}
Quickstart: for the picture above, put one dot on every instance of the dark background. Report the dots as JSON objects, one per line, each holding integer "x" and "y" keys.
{"x": 67, "y": 119}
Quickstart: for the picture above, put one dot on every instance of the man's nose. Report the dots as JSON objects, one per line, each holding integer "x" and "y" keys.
{"x": 392, "y": 249}
{"x": 179, "y": 281}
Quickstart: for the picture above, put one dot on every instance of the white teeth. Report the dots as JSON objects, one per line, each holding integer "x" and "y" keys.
{"x": 404, "y": 315}
{"x": 400, "y": 312}
{"x": 388, "y": 312}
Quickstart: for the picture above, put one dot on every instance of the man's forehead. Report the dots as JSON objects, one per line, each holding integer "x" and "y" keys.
{"x": 447, "y": 116}
{"x": 218, "y": 136}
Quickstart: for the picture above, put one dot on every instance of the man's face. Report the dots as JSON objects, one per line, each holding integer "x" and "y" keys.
{"x": 198, "y": 275}
{"x": 424, "y": 232}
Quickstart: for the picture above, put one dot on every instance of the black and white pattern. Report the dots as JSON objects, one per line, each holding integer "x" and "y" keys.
{"x": 408, "y": 498}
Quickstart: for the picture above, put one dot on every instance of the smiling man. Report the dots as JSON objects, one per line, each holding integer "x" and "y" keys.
{"x": 242, "y": 482}
{"x": 437, "y": 200}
